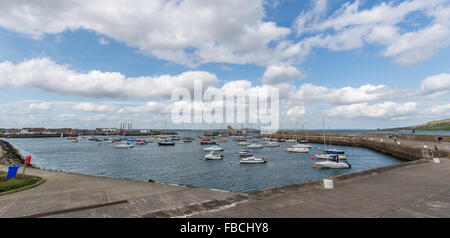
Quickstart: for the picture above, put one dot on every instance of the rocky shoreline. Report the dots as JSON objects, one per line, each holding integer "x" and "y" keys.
{"x": 9, "y": 154}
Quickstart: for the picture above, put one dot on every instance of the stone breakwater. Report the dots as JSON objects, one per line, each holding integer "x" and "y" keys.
{"x": 403, "y": 146}
{"x": 9, "y": 154}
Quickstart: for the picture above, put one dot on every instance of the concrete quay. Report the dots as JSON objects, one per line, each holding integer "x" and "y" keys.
{"x": 75, "y": 195}
{"x": 412, "y": 189}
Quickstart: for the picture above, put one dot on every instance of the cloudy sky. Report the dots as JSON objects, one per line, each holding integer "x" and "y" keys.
{"x": 88, "y": 64}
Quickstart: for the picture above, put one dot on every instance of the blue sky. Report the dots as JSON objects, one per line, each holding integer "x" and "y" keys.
{"x": 360, "y": 64}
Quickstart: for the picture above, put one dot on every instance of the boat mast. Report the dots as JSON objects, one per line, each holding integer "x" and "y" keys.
{"x": 323, "y": 124}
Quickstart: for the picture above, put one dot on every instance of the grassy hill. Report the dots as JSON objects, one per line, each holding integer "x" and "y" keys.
{"x": 439, "y": 125}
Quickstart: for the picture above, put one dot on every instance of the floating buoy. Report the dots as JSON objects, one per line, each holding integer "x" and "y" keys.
{"x": 231, "y": 162}
{"x": 146, "y": 150}
{"x": 285, "y": 150}
{"x": 312, "y": 157}
{"x": 314, "y": 166}
{"x": 200, "y": 158}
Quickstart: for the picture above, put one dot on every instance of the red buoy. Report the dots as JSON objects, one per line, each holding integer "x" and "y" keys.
{"x": 314, "y": 166}
{"x": 312, "y": 157}
{"x": 231, "y": 162}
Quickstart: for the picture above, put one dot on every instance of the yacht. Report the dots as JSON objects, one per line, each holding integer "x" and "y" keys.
{"x": 243, "y": 143}
{"x": 125, "y": 146}
{"x": 298, "y": 149}
{"x": 254, "y": 146}
{"x": 213, "y": 156}
{"x": 333, "y": 162}
{"x": 253, "y": 160}
{"x": 327, "y": 153}
{"x": 213, "y": 148}
{"x": 291, "y": 141}
{"x": 245, "y": 153}
{"x": 272, "y": 144}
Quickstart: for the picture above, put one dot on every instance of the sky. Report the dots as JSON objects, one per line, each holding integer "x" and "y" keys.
{"x": 94, "y": 64}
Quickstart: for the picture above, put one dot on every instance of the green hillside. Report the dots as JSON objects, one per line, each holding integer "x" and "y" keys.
{"x": 439, "y": 125}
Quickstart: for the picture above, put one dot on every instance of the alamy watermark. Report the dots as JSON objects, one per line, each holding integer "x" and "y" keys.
{"x": 215, "y": 106}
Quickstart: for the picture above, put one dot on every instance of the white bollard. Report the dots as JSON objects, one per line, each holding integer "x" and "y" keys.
{"x": 328, "y": 184}
{"x": 436, "y": 160}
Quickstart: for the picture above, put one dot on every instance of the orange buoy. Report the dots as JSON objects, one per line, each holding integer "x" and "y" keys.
{"x": 314, "y": 166}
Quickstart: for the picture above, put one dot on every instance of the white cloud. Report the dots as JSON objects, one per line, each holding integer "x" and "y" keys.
{"x": 441, "y": 109}
{"x": 296, "y": 112}
{"x": 380, "y": 110}
{"x": 43, "y": 73}
{"x": 40, "y": 106}
{"x": 91, "y": 107}
{"x": 185, "y": 32}
{"x": 436, "y": 83}
{"x": 351, "y": 27}
{"x": 276, "y": 74}
{"x": 309, "y": 93}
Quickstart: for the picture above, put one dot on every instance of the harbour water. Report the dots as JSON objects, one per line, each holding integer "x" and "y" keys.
{"x": 184, "y": 164}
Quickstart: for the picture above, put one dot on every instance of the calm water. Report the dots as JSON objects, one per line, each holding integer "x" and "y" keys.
{"x": 181, "y": 164}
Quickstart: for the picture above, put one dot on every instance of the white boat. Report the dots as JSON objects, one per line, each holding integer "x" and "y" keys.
{"x": 213, "y": 148}
{"x": 301, "y": 145}
{"x": 213, "y": 156}
{"x": 291, "y": 141}
{"x": 245, "y": 153}
{"x": 327, "y": 153}
{"x": 272, "y": 144}
{"x": 243, "y": 143}
{"x": 254, "y": 146}
{"x": 333, "y": 163}
{"x": 125, "y": 146}
{"x": 253, "y": 160}
{"x": 298, "y": 149}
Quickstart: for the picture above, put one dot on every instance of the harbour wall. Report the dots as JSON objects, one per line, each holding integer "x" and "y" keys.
{"x": 9, "y": 154}
{"x": 403, "y": 146}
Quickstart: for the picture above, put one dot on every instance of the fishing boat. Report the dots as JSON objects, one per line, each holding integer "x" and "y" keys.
{"x": 213, "y": 156}
{"x": 272, "y": 144}
{"x": 125, "y": 146}
{"x": 253, "y": 160}
{"x": 298, "y": 150}
{"x": 207, "y": 142}
{"x": 254, "y": 146}
{"x": 213, "y": 148}
{"x": 245, "y": 153}
{"x": 333, "y": 162}
{"x": 166, "y": 142}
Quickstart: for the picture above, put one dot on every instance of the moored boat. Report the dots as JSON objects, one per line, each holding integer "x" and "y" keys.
{"x": 253, "y": 160}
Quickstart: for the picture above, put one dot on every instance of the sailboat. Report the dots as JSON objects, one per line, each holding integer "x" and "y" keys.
{"x": 163, "y": 141}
